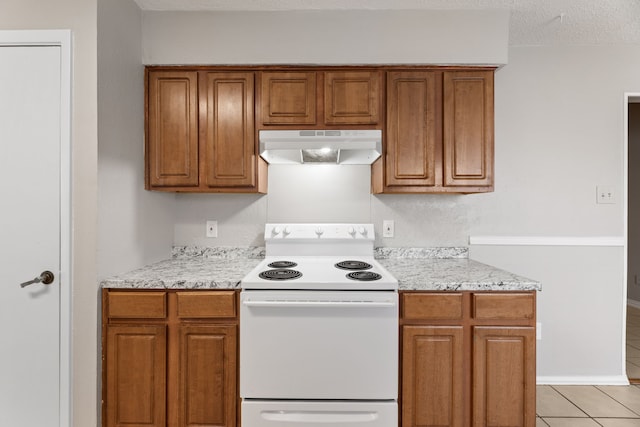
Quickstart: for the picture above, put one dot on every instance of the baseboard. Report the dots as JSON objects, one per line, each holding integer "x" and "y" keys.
{"x": 580, "y": 380}
{"x": 633, "y": 303}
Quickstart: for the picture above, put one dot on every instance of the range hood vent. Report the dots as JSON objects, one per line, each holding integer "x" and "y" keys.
{"x": 347, "y": 147}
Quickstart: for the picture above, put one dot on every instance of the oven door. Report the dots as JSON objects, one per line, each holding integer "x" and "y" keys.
{"x": 319, "y": 345}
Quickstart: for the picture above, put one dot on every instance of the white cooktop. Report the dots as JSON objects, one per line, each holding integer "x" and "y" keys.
{"x": 320, "y": 273}
{"x": 316, "y": 248}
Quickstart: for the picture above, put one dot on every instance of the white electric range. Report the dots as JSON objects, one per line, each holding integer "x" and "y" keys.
{"x": 319, "y": 330}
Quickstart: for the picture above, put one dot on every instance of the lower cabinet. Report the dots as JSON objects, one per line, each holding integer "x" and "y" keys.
{"x": 432, "y": 376}
{"x": 503, "y": 376}
{"x": 169, "y": 358}
{"x": 136, "y": 381}
{"x": 468, "y": 359}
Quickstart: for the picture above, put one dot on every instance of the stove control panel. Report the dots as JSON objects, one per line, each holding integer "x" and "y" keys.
{"x": 324, "y": 231}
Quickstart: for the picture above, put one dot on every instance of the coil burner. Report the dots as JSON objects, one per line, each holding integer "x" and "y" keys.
{"x": 280, "y": 274}
{"x": 364, "y": 276}
{"x": 353, "y": 265}
{"x": 282, "y": 264}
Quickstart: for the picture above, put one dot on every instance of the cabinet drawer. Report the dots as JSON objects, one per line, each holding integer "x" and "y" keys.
{"x": 147, "y": 304}
{"x": 504, "y": 306}
{"x": 205, "y": 304}
{"x": 431, "y": 306}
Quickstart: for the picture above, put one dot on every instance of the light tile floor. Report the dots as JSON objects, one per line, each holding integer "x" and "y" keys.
{"x": 588, "y": 406}
{"x": 596, "y": 406}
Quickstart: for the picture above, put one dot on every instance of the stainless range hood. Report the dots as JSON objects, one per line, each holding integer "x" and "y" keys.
{"x": 347, "y": 147}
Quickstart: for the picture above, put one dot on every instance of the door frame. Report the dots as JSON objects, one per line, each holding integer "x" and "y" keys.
{"x": 629, "y": 98}
{"x": 62, "y": 39}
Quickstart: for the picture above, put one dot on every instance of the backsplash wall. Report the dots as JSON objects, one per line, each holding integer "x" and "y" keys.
{"x": 323, "y": 193}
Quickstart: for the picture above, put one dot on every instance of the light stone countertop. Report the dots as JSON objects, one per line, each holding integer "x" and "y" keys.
{"x": 186, "y": 273}
{"x": 443, "y": 269}
{"x": 454, "y": 274}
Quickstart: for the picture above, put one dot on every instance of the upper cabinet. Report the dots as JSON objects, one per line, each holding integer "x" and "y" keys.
{"x": 200, "y": 133}
{"x": 412, "y": 151}
{"x": 288, "y": 98}
{"x": 172, "y": 129}
{"x": 320, "y": 99}
{"x": 468, "y": 128}
{"x": 352, "y": 98}
{"x": 202, "y": 123}
{"x": 439, "y": 134}
{"x": 227, "y": 130}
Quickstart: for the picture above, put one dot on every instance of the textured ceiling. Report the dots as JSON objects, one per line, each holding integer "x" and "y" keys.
{"x": 533, "y": 22}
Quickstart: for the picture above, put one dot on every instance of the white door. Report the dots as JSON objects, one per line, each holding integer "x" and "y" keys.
{"x": 30, "y": 230}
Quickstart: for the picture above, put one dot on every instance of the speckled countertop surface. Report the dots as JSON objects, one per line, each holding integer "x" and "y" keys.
{"x": 192, "y": 268}
{"x": 445, "y": 269}
{"x": 454, "y": 274}
{"x": 186, "y": 273}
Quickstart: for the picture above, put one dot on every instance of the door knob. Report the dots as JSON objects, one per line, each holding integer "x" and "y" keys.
{"x": 46, "y": 277}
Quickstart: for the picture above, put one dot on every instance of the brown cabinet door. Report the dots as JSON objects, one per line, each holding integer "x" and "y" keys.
{"x": 207, "y": 375}
{"x": 136, "y": 376}
{"x": 172, "y": 129}
{"x": 412, "y": 129}
{"x": 468, "y": 128}
{"x": 352, "y": 98}
{"x": 288, "y": 98}
{"x": 228, "y": 128}
{"x": 432, "y": 376}
{"x": 504, "y": 377}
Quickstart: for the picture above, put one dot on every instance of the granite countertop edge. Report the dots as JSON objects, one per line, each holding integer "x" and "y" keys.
{"x": 417, "y": 269}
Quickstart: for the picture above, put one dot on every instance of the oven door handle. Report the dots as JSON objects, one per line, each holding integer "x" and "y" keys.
{"x": 328, "y": 417}
{"x": 312, "y": 303}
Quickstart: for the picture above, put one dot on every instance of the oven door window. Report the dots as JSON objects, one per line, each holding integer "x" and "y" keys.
{"x": 319, "y": 345}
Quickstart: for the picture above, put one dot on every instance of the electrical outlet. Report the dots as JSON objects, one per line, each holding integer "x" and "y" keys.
{"x": 388, "y": 228}
{"x": 212, "y": 228}
{"x": 605, "y": 194}
{"x": 538, "y": 330}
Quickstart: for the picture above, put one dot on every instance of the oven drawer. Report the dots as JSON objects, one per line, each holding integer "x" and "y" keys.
{"x": 312, "y": 414}
{"x": 319, "y": 345}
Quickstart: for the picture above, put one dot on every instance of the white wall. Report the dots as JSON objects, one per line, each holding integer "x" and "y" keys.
{"x": 471, "y": 37}
{"x": 579, "y": 308}
{"x": 241, "y": 219}
{"x": 558, "y": 133}
{"x": 80, "y": 17}
{"x": 327, "y": 37}
{"x": 135, "y": 226}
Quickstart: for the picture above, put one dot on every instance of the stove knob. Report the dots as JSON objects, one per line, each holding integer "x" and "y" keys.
{"x": 276, "y": 230}
{"x": 352, "y": 231}
{"x": 286, "y": 230}
{"x": 319, "y": 231}
{"x": 362, "y": 231}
